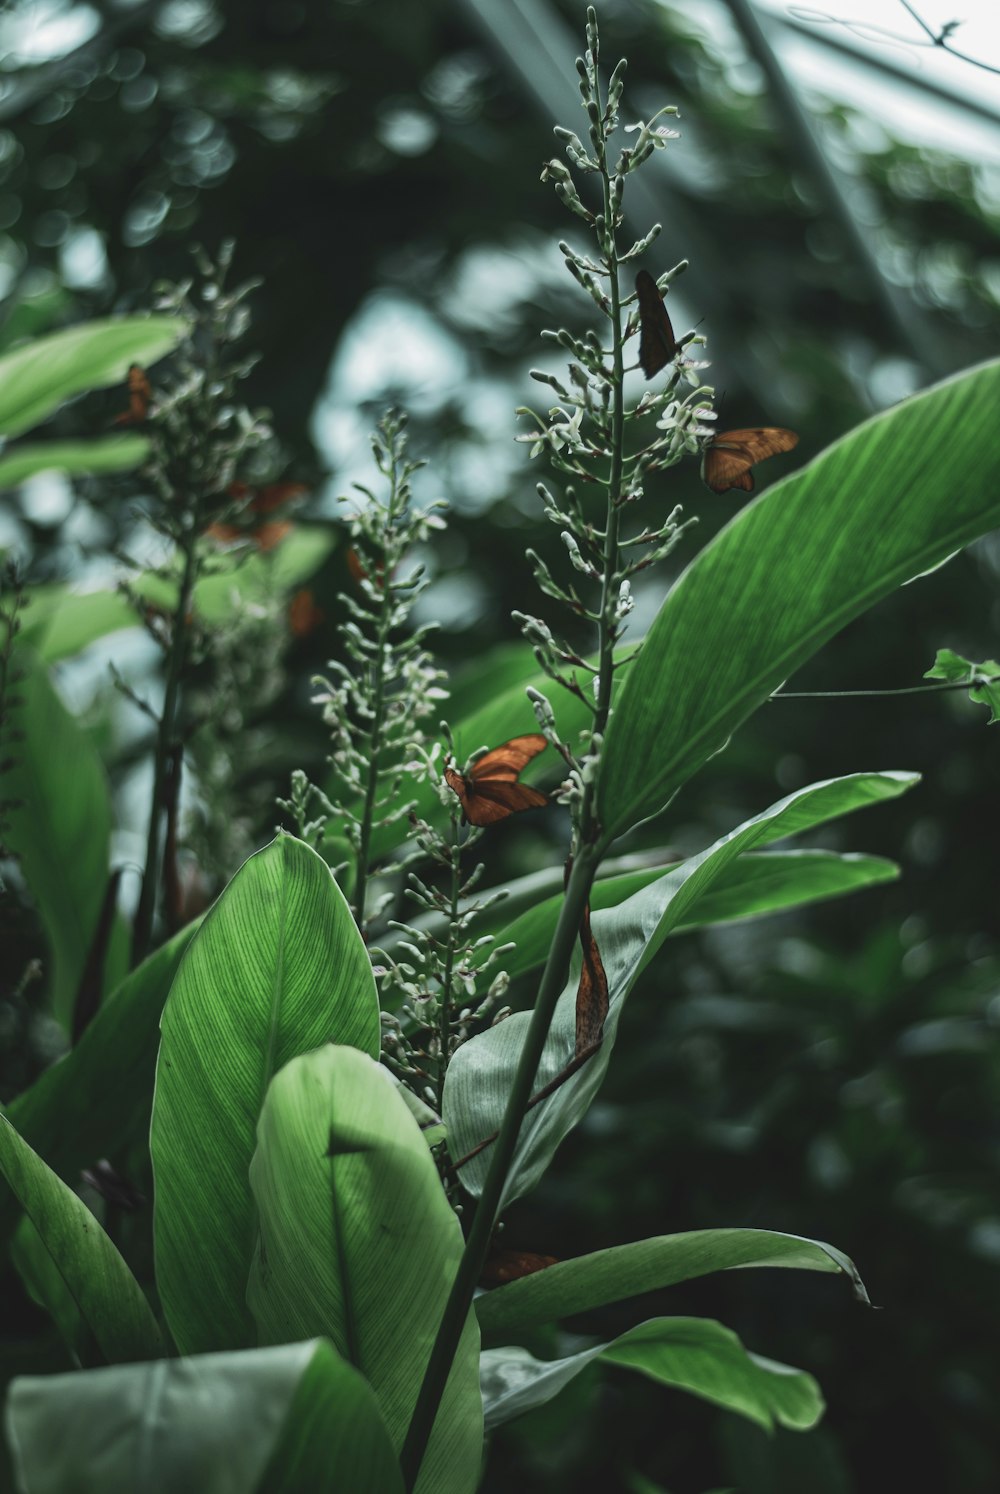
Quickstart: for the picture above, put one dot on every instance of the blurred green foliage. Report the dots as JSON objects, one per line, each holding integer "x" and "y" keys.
{"x": 834, "y": 1072}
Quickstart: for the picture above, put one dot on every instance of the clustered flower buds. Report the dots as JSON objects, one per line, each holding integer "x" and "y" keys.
{"x": 583, "y": 436}
{"x": 377, "y": 695}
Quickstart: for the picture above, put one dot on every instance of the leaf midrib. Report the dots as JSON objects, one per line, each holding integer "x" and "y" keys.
{"x": 831, "y": 623}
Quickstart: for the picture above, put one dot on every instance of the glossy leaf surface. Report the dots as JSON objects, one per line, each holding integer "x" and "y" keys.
{"x": 629, "y": 935}
{"x": 358, "y": 1242}
{"x": 61, "y": 829}
{"x": 268, "y": 1421}
{"x": 887, "y": 502}
{"x": 692, "y": 1354}
{"x": 612, "y": 1275}
{"x": 277, "y": 967}
{"x": 108, "y": 1296}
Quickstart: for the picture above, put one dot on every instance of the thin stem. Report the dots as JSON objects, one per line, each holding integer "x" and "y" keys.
{"x": 378, "y": 714}
{"x": 165, "y": 742}
{"x": 940, "y": 39}
{"x": 444, "y": 1014}
{"x": 471, "y": 1265}
{"x": 975, "y": 682}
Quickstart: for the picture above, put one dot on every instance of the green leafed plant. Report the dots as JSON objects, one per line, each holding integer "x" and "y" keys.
{"x": 306, "y": 1196}
{"x": 38, "y": 377}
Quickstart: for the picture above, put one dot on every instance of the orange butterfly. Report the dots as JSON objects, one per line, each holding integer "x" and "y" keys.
{"x": 304, "y": 617}
{"x": 490, "y": 790}
{"x": 140, "y": 394}
{"x": 657, "y": 344}
{"x": 728, "y": 457}
{"x": 258, "y": 502}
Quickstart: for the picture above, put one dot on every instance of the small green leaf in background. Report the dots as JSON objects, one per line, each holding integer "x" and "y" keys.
{"x": 692, "y": 1354}
{"x": 289, "y": 1420}
{"x": 277, "y": 968}
{"x": 882, "y": 505}
{"x": 61, "y": 831}
{"x": 755, "y": 884}
{"x": 90, "y": 1102}
{"x": 110, "y": 454}
{"x": 110, "y": 1299}
{"x": 951, "y": 666}
{"x": 612, "y": 1275}
{"x": 359, "y": 1243}
{"x": 40, "y": 376}
{"x": 60, "y": 622}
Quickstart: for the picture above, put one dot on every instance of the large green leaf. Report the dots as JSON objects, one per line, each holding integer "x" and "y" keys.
{"x": 60, "y": 622}
{"x": 693, "y": 1354}
{"x": 886, "y": 503}
{"x": 40, "y": 376}
{"x": 289, "y": 1420}
{"x": 277, "y": 967}
{"x": 61, "y": 830}
{"x": 358, "y": 1242}
{"x": 110, "y": 454}
{"x": 42, "y": 1280}
{"x": 89, "y": 1103}
{"x": 755, "y": 884}
{"x": 108, "y": 1296}
{"x": 589, "y": 1281}
{"x": 628, "y": 936}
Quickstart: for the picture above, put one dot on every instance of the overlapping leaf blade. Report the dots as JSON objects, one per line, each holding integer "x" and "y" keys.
{"x": 108, "y": 1296}
{"x": 358, "y": 1242}
{"x": 277, "y": 968}
{"x": 623, "y": 1271}
{"x": 692, "y": 1354}
{"x": 90, "y": 1102}
{"x": 481, "y": 1073}
{"x": 268, "y": 1421}
{"x": 755, "y": 884}
{"x": 61, "y": 828}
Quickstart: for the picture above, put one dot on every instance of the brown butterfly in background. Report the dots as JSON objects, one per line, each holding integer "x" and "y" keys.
{"x": 657, "y": 344}
{"x": 140, "y": 395}
{"x": 728, "y": 457}
{"x": 490, "y": 790}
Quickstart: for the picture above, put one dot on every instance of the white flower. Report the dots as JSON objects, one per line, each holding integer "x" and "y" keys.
{"x": 653, "y": 136}
{"x": 566, "y": 432}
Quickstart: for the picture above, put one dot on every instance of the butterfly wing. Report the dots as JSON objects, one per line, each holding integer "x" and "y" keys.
{"x": 140, "y": 395}
{"x": 727, "y": 459}
{"x": 657, "y": 344}
{"x": 490, "y": 791}
{"x": 492, "y": 800}
{"x": 510, "y": 759}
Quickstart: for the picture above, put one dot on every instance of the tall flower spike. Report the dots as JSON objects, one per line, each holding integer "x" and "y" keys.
{"x": 377, "y": 694}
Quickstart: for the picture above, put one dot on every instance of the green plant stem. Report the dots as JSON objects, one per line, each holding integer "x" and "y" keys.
{"x": 609, "y": 593}
{"x": 444, "y": 1014}
{"x": 975, "y": 682}
{"x": 378, "y": 720}
{"x": 584, "y": 869}
{"x": 143, "y": 928}
{"x": 471, "y": 1265}
{"x": 371, "y": 788}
